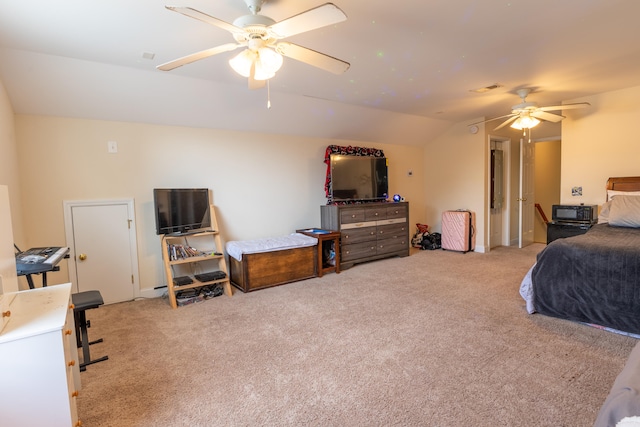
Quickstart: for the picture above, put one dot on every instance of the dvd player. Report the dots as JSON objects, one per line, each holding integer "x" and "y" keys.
{"x": 210, "y": 276}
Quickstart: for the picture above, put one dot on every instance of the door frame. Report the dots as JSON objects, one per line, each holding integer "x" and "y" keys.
{"x": 506, "y": 207}
{"x": 68, "y": 205}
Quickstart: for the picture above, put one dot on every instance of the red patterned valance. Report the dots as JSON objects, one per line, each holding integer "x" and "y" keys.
{"x": 345, "y": 151}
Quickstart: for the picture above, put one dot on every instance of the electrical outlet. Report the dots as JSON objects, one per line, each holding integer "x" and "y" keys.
{"x": 112, "y": 147}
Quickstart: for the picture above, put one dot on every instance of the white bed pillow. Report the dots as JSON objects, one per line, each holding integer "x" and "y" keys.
{"x": 603, "y": 215}
{"x": 612, "y": 193}
{"x": 625, "y": 211}
{"x": 629, "y": 422}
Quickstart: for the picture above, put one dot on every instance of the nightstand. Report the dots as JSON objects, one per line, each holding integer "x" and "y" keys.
{"x": 332, "y": 238}
{"x": 559, "y": 230}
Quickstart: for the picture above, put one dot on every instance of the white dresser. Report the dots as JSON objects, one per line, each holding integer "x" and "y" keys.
{"x": 39, "y": 368}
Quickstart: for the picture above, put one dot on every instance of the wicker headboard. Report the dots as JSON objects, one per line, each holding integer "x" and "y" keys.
{"x": 627, "y": 183}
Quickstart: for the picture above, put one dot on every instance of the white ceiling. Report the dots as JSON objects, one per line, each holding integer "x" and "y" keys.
{"x": 413, "y": 63}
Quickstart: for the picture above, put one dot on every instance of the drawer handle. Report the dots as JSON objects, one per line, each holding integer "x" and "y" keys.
{"x": 71, "y": 306}
{"x": 75, "y": 394}
{"x": 72, "y": 363}
{"x": 78, "y": 424}
{"x": 353, "y": 215}
{"x": 6, "y": 313}
{"x": 68, "y": 332}
{"x": 376, "y": 214}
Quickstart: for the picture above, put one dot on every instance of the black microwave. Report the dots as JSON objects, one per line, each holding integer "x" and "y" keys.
{"x": 575, "y": 213}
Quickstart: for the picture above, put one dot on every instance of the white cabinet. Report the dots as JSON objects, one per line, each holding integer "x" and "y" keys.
{"x": 39, "y": 368}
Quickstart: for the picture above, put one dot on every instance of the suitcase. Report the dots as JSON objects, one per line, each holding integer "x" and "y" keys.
{"x": 459, "y": 230}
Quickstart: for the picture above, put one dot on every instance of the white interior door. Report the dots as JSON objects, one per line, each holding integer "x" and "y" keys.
{"x": 526, "y": 199}
{"x": 103, "y": 249}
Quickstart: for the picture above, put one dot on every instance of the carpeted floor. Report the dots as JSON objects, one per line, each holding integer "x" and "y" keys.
{"x": 435, "y": 339}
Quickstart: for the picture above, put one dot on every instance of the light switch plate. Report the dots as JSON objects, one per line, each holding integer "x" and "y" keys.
{"x": 112, "y": 146}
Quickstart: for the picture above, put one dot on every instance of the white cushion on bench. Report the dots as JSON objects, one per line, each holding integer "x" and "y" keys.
{"x": 295, "y": 240}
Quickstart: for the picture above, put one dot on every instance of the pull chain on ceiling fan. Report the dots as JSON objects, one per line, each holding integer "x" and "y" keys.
{"x": 260, "y": 35}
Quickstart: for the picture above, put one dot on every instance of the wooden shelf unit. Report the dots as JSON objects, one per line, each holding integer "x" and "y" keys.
{"x": 208, "y": 243}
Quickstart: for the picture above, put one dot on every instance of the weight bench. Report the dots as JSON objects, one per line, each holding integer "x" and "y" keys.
{"x": 83, "y": 301}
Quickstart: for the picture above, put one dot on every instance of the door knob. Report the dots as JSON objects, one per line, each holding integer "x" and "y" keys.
{"x": 82, "y": 257}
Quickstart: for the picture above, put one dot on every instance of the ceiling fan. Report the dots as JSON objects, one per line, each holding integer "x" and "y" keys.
{"x": 261, "y": 36}
{"x": 527, "y": 114}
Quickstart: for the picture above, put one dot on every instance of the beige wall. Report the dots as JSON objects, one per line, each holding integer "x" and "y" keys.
{"x": 455, "y": 177}
{"x": 599, "y": 142}
{"x": 271, "y": 184}
{"x": 9, "y": 164}
{"x": 263, "y": 185}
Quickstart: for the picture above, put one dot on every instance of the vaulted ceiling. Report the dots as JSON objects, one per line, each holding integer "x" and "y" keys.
{"x": 414, "y": 63}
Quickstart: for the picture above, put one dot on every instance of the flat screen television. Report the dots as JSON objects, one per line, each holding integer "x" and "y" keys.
{"x": 181, "y": 210}
{"x": 356, "y": 178}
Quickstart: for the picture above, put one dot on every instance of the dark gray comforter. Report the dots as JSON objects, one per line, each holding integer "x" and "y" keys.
{"x": 592, "y": 278}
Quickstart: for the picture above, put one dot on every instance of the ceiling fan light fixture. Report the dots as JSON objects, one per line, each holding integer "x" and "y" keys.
{"x": 525, "y": 122}
{"x": 241, "y": 63}
{"x": 267, "y": 63}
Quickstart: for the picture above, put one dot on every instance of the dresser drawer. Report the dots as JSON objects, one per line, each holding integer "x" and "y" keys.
{"x": 397, "y": 211}
{"x": 392, "y": 231}
{"x": 358, "y": 235}
{"x": 358, "y": 250}
{"x": 348, "y": 216}
{"x": 375, "y": 213}
{"x": 391, "y": 245}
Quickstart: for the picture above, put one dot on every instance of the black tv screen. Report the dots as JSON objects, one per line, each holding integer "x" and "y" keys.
{"x": 358, "y": 178}
{"x": 180, "y": 210}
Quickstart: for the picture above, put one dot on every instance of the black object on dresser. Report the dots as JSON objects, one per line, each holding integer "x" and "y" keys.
{"x": 560, "y": 229}
{"x": 368, "y": 231}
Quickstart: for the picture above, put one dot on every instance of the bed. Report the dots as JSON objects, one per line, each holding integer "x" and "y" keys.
{"x": 594, "y": 278}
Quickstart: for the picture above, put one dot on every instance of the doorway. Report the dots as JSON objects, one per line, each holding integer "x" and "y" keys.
{"x": 101, "y": 237}
{"x": 547, "y": 183}
{"x": 499, "y": 203}
{"x": 547, "y": 189}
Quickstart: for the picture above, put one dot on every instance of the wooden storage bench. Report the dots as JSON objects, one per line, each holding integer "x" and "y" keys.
{"x": 263, "y": 263}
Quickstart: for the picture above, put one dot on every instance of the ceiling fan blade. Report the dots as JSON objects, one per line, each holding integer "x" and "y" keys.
{"x": 506, "y": 122}
{"x": 321, "y": 16}
{"x": 542, "y": 115}
{"x": 197, "y": 56}
{"x": 490, "y": 120}
{"x": 196, "y": 14}
{"x": 313, "y": 58}
{"x": 565, "y": 106}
